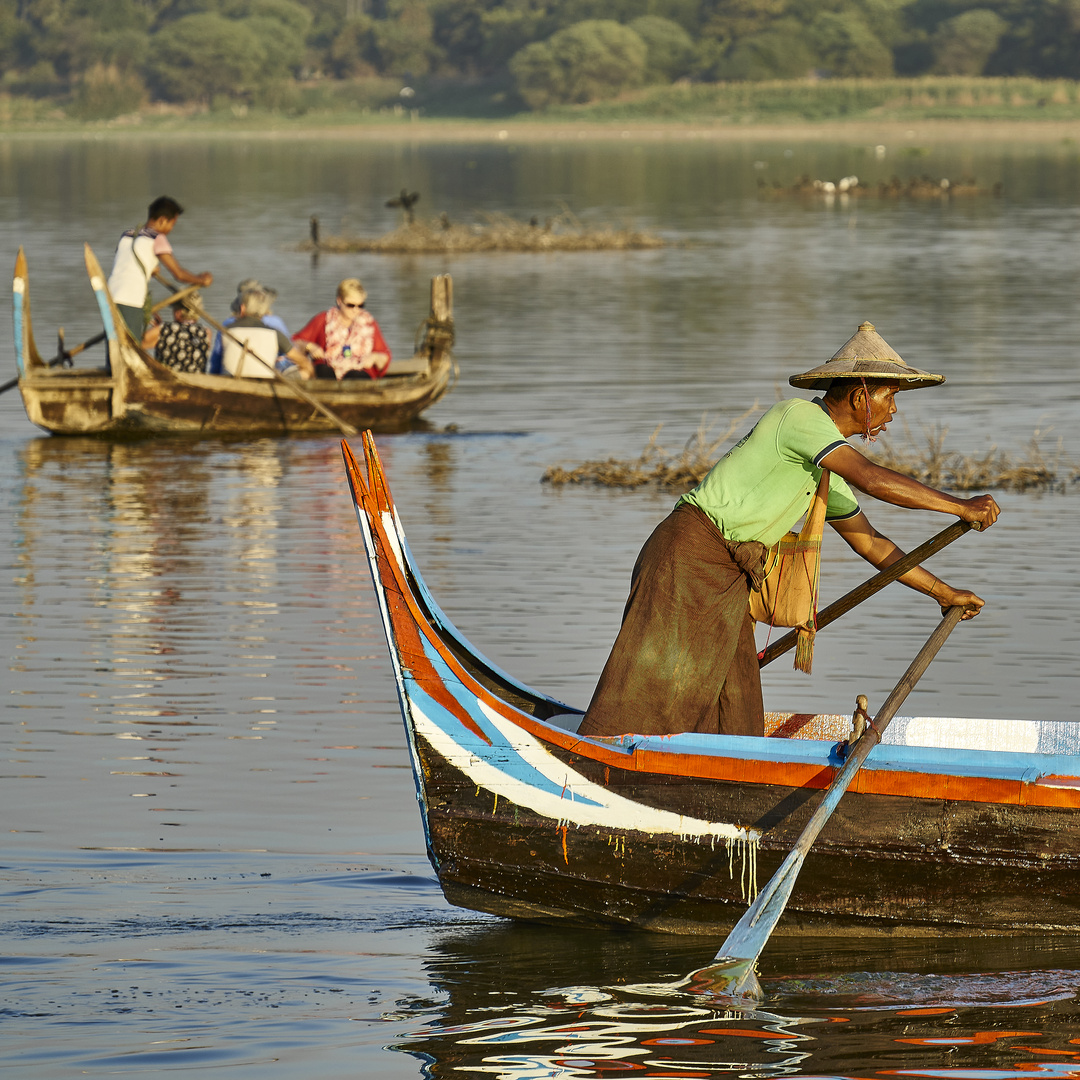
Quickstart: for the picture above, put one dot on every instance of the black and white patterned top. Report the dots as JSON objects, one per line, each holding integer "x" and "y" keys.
{"x": 183, "y": 347}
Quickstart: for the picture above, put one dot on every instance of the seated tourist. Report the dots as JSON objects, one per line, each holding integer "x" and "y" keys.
{"x": 250, "y": 349}
{"x": 183, "y": 344}
{"x": 345, "y": 342}
{"x": 275, "y": 322}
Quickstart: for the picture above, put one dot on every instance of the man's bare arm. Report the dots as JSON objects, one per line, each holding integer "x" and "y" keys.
{"x": 185, "y": 277}
{"x": 878, "y": 550}
{"x": 893, "y": 487}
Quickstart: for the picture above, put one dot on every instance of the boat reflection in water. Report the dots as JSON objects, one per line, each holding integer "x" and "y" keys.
{"x": 856, "y": 1013}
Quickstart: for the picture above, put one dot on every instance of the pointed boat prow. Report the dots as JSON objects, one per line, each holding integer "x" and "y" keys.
{"x": 376, "y": 479}
{"x": 110, "y": 317}
{"x": 352, "y": 470}
{"x": 26, "y": 354}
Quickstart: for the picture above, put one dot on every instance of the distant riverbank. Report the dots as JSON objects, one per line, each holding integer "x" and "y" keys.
{"x": 529, "y": 130}
{"x": 885, "y": 110}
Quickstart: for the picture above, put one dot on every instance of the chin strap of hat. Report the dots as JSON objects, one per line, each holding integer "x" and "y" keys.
{"x": 866, "y": 436}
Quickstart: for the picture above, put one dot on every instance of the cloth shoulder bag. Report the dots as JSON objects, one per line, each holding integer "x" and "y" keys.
{"x": 788, "y": 594}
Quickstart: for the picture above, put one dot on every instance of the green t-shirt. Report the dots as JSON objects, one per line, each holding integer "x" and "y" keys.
{"x": 761, "y": 487}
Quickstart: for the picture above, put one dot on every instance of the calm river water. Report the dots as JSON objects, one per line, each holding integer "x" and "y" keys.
{"x": 214, "y": 860}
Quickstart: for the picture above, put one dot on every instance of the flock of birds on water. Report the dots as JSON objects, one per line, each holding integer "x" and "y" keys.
{"x": 916, "y": 187}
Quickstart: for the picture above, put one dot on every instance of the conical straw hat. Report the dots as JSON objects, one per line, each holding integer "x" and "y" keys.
{"x": 867, "y": 355}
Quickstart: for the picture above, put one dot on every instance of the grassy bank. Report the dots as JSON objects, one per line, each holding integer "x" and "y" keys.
{"x": 376, "y": 105}
{"x": 927, "y": 98}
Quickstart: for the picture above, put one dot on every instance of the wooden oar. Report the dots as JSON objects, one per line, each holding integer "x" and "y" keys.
{"x": 183, "y": 294}
{"x": 342, "y": 426}
{"x": 59, "y": 358}
{"x": 871, "y": 586}
{"x": 733, "y": 969}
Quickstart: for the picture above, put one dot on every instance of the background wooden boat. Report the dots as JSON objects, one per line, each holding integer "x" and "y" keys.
{"x": 141, "y": 396}
{"x": 952, "y": 826}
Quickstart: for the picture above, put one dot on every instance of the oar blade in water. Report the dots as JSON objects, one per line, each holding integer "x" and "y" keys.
{"x": 734, "y": 964}
{"x": 727, "y": 977}
{"x": 759, "y": 920}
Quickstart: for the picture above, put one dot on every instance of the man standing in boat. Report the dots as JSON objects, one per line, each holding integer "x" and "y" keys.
{"x": 685, "y": 658}
{"x": 137, "y": 257}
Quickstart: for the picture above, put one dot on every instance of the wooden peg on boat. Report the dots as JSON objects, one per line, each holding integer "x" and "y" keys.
{"x": 859, "y": 720}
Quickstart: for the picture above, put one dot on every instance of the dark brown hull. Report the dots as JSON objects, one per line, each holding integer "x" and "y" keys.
{"x": 882, "y": 864}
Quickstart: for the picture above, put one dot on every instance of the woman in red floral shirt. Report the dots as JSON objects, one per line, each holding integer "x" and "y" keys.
{"x": 345, "y": 342}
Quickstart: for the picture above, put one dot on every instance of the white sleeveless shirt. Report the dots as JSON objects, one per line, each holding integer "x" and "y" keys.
{"x": 129, "y": 281}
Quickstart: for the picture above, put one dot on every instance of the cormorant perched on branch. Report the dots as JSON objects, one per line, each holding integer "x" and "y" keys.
{"x": 406, "y": 200}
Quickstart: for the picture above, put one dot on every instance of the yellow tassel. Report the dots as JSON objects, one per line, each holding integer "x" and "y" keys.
{"x": 804, "y": 649}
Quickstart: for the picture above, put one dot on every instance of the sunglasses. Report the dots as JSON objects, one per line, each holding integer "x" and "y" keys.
{"x": 343, "y": 304}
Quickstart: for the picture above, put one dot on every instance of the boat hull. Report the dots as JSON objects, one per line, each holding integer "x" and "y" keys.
{"x": 152, "y": 400}
{"x": 882, "y": 863}
{"x": 951, "y": 826}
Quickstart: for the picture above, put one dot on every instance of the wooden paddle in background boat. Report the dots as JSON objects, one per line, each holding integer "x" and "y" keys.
{"x": 733, "y": 969}
{"x": 61, "y": 356}
{"x": 176, "y": 297}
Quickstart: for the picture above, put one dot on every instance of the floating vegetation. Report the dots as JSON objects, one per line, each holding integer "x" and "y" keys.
{"x": 494, "y": 232}
{"x": 933, "y": 464}
{"x": 676, "y": 471}
{"x": 1034, "y": 470}
{"x": 916, "y": 187}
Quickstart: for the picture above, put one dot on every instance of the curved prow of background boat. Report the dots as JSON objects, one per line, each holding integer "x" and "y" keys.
{"x": 26, "y": 353}
{"x": 110, "y": 317}
{"x": 129, "y": 362}
{"x": 436, "y": 334}
{"x": 381, "y": 526}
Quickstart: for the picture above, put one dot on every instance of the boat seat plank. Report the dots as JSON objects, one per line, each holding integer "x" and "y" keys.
{"x": 955, "y": 733}
{"x": 415, "y": 365}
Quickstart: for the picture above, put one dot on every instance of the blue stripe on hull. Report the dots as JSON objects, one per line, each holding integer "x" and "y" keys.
{"x": 931, "y": 760}
{"x": 499, "y": 752}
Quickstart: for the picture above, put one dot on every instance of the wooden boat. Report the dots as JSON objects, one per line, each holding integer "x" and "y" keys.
{"x": 137, "y": 395}
{"x": 952, "y": 826}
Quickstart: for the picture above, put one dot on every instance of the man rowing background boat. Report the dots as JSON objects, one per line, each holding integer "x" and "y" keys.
{"x": 138, "y": 253}
{"x": 685, "y": 658}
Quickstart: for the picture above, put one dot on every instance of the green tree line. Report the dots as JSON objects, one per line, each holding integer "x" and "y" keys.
{"x": 107, "y": 56}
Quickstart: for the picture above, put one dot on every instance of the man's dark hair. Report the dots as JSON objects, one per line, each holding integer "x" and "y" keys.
{"x": 164, "y": 207}
{"x": 840, "y": 388}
